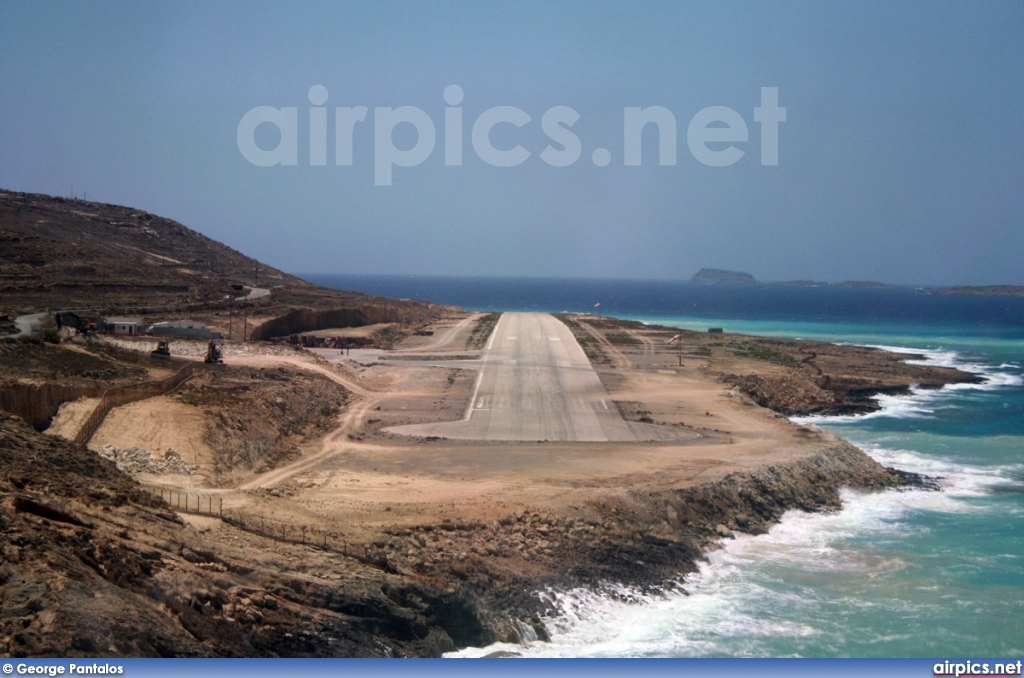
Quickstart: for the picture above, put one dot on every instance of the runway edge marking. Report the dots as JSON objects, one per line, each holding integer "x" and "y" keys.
{"x": 480, "y": 374}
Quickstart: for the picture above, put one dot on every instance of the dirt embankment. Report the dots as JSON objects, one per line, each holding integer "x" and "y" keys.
{"x": 258, "y": 418}
{"x": 228, "y": 421}
{"x": 38, "y": 362}
{"x": 38, "y": 377}
{"x": 306, "y": 320}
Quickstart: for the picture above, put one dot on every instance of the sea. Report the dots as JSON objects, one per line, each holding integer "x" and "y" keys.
{"x": 909, "y": 573}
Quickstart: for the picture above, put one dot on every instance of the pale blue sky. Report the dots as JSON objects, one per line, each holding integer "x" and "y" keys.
{"x": 901, "y": 159}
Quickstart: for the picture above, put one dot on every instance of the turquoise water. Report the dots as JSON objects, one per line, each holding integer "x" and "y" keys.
{"x": 899, "y": 573}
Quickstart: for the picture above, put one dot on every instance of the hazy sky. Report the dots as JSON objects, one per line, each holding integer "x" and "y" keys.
{"x": 901, "y": 158}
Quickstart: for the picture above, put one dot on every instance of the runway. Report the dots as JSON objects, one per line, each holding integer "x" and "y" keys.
{"x": 536, "y": 383}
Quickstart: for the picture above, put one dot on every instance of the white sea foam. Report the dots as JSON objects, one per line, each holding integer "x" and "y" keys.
{"x": 995, "y": 376}
{"x": 749, "y": 591}
{"x": 958, "y": 481}
{"x": 922, "y": 402}
{"x": 919, "y": 403}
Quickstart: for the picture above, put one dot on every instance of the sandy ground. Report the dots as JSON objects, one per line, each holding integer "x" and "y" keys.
{"x": 361, "y": 479}
{"x": 156, "y": 425}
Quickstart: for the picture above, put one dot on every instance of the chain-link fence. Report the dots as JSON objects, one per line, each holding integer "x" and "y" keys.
{"x": 190, "y": 502}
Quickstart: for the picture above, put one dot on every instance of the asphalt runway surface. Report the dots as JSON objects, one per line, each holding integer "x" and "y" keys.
{"x": 536, "y": 383}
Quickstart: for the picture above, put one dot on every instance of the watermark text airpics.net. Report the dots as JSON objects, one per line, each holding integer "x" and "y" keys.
{"x": 711, "y": 134}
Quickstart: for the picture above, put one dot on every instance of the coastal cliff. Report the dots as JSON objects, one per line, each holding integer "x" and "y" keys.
{"x": 645, "y": 539}
{"x": 93, "y": 565}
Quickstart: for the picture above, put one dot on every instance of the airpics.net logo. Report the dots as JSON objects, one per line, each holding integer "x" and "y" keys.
{"x": 975, "y": 669}
{"x": 711, "y": 135}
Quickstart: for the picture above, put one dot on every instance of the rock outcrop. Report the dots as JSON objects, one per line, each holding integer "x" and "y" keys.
{"x": 718, "y": 276}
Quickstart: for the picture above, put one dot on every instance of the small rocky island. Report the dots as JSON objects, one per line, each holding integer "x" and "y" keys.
{"x": 715, "y": 276}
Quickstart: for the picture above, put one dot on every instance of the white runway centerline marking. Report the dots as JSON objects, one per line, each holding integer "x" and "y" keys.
{"x": 542, "y": 388}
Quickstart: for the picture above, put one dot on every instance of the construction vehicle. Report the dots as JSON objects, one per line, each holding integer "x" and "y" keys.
{"x": 83, "y": 324}
{"x": 213, "y": 353}
{"x": 162, "y": 351}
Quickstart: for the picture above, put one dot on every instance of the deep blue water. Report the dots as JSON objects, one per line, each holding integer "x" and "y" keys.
{"x": 895, "y": 307}
{"x": 913, "y": 573}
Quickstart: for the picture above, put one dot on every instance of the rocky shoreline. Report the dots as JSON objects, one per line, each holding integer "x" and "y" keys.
{"x": 93, "y": 566}
{"x": 646, "y": 540}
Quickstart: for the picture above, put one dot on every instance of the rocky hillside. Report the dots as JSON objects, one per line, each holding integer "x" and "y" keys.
{"x": 60, "y": 252}
{"x": 258, "y": 418}
{"x": 91, "y": 565}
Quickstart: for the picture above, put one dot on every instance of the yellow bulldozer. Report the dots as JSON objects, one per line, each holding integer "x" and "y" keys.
{"x": 162, "y": 351}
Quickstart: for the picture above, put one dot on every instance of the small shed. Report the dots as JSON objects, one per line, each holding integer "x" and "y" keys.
{"x": 123, "y": 326}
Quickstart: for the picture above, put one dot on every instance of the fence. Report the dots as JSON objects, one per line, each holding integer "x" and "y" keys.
{"x": 213, "y": 505}
{"x": 38, "y": 403}
{"x": 186, "y": 502}
{"x": 120, "y": 395}
{"x": 296, "y": 534}
{"x": 327, "y": 540}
